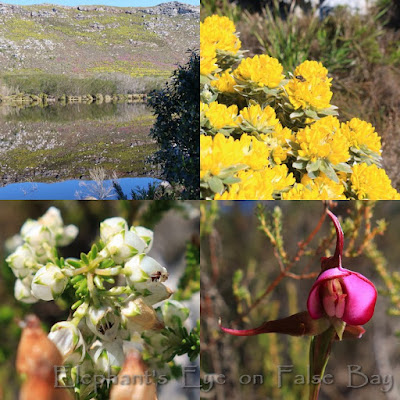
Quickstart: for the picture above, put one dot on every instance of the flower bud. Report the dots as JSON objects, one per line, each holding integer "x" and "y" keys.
{"x": 123, "y": 246}
{"x": 22, "y": 290}
{"x": 22, "y": 261}
{"x": 37, "y": 354}
{"x": 49, "y": 282}
{"x": 52, "y": 219}
{"x": 67, "y": 236}
{"x": 174, "y": 313}
{"x": 69, "y": 341}
{"x": 142, "y": 268}
{"x": 140, "y": 387}
{"x": 138, "y": 316}
{"x": 146, "y": 234}
{"x": 38, "y": 234}
{"x": 11, "y": 244}
{"x": 111, "y": 226}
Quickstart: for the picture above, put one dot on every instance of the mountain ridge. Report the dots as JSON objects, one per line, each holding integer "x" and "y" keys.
{"x": 97, "y": 41}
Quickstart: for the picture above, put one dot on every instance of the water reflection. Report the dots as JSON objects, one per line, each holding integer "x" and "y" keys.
{"x": 72, "y": 112}
{"x": 72, "y": 190}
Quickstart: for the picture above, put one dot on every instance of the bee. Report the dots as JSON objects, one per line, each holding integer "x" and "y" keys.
{"x": 156, "y": 277}
{"x": 300, "y": 78}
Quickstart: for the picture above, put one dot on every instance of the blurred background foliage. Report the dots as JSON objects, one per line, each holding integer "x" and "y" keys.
{"x": 258, "y": 263}
{"x": 362, "y": 54}
{"x": 177, "y": 249}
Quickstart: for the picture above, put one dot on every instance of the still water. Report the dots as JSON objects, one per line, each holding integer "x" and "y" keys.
{"x": 73, "y": 189}
{"x": 61, "y": 143}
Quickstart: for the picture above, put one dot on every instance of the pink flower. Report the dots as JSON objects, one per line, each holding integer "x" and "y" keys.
{"x": 339, "y": 292}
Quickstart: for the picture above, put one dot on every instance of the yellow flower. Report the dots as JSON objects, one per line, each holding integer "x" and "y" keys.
{"x": 371, "y": 182}
{"x": 310, "y": 86}
{"x": 361, "y": 133}
{"x": 222, "y": 23}
{"x": 222, "y": 152}
{"x": 255, "y": 118}
{"x": 260, "y": 70}
{"x": 321, "y": 188}
{"x": 258, "y": 185}
{"x": 323, "y": 140}
{"x": 225, "y": 82}
{"x": 219, "y": 33}
{"x": 277, "y": 142}
{"x": 301, "y": 192}
{"x": 221, "y": 116}
{"x": 208, "y": 60}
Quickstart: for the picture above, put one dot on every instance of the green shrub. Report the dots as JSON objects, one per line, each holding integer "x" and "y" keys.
{"x": 177, "y": 127}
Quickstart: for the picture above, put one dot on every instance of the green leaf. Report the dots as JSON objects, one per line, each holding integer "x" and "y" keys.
{"x": 296, "y": 114}
{"x": 216, "y": 185}
{"x": 343, "y": 167}
{"x": 74, "y": 263}
{"x": 299, "y": 164}
{"x": 311, "y": 114}
{"x": 313, "y": 174}
{"x": 328, "y": 170}
{"x": 231, "y": 180}
{"x": 313, "y": 166}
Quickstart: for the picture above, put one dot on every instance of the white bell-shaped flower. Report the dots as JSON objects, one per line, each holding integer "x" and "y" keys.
{"x": 22, "y": 261}
{"x": 142, "y": 268}
{"x": 146, "y": 234}
{"x": 174, "y": 313}
{"x": 111, "y": 226}
{"x": 103, "y": 322}
{"x": 69, "y": 341}
{"x": 49, "y": 282}
{"x": 123, "y": 246}
{"x": 37, "y": 235}
{"x": 22, "y": 290}
{"x": 67, "y": 235}
{"x": 108, "y": 357}
{"x": 154, "y": 292}
{"x": 11, "y": 244}
{"x": 52, "y": 219}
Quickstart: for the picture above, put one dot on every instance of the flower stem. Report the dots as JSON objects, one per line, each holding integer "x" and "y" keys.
{"x": 320, "y": 349}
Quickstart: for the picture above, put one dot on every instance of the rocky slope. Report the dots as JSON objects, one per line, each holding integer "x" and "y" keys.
{"x": 96, "y": 40}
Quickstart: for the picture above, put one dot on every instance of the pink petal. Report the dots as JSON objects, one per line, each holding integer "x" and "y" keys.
{"x": 361, "y": 299}
{"x": 314, "y": 304}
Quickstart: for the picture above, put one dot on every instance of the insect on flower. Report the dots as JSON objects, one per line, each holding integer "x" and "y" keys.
{"x": 156, "y": 277}
{"x": 300, "y": 78}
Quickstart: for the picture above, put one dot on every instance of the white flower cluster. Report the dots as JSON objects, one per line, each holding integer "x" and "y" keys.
{"x": 33, "y": 261}
{"x": 116, "y": 286}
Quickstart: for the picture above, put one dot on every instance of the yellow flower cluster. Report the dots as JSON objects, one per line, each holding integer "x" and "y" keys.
{"x": 267, "y": 135}
{"x": 217, "y": 36}
{"x": 220, "y": 152}
{"x": 219, "y": 115}
{"x": 260, "y": 71}
{"x": 310, "y": 86}
{"x": 323, "y": 140}
{"x": 361, "y": 134}
{"x": 371, "y": 182}
{"x": 321, "y": 188}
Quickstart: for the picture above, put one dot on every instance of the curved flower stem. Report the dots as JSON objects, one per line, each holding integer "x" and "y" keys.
{"x": 320, "y": 349}
{"x": 92, "y": 289}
